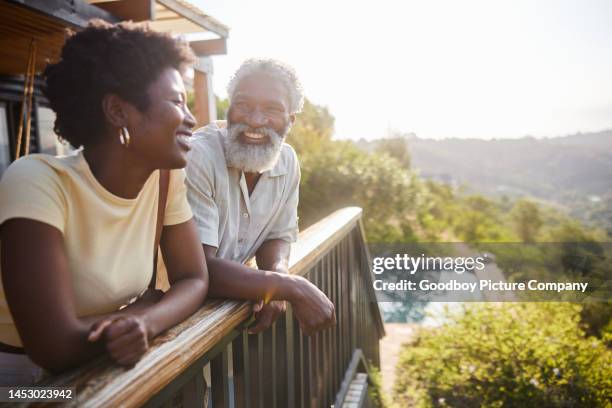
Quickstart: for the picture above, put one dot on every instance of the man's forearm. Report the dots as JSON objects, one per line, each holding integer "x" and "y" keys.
{"x": 273, "y": 255}
{"x": 230, "y": 279}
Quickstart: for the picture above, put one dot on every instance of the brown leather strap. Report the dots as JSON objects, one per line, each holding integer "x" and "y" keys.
{"x": 7, "y": 348}
{"x": 164, "y": 182}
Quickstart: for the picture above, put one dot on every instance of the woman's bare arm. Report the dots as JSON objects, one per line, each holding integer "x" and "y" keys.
{"x": 38, "y": 289}
{"x": 187, "y": 275}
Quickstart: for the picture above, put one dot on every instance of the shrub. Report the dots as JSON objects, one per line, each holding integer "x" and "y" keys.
{"x": 506, "y": 355}
{"x": 376, "y": 397}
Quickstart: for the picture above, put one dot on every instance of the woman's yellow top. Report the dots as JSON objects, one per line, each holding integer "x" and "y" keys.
{"x": 108, "y": 239}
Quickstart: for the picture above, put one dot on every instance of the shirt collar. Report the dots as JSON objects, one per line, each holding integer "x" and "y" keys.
{"x": 279, "y": 169}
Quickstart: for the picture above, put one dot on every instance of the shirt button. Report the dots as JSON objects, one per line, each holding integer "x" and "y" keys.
{"x": 245, "y": 215}
{"x": 240, "y": 241}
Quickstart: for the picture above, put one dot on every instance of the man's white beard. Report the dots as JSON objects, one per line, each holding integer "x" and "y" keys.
{"x": 251, "y": 158}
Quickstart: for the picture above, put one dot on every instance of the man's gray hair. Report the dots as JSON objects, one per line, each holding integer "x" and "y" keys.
{"x": 276, "y": 69}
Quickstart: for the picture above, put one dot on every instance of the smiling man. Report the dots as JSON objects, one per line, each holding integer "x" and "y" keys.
{"x": 243, "y": 184}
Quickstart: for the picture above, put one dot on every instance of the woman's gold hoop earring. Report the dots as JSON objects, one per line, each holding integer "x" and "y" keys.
{"x": 124, "y": 136}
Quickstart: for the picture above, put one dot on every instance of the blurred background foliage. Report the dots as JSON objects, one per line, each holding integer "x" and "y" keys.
{"x": 506, "y": 355}
{"x": 528, "y": 354}
{"x": 400, "y": 205}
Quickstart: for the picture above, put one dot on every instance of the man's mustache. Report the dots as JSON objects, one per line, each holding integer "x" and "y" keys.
{"x": 237, "y": 128}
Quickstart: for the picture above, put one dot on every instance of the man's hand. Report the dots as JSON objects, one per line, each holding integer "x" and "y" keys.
{"x": 266, "y": 314}
{"x": 229, "y": 279}
{"x": 125, "y": 338}
{"x": 313, "y": 310}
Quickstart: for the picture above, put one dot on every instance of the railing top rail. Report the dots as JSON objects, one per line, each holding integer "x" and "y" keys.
{"x": 102, "y": 384}
{"x": 321, "y": 237}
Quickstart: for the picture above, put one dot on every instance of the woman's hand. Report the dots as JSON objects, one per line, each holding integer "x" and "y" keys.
{"x": 125, "y": 338}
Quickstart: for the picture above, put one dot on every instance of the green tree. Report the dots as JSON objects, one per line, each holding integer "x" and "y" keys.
{"x": 396, "y": 147}
{"x": 527, "y": 220}
{"x": 222, "y": 107}
{"x": 479, "y": 219}
{"x": 337, "y": 174}
{"x": 312, "y": 130}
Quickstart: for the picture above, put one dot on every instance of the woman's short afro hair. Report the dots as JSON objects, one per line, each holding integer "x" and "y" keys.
{"x": 124, "y": 59}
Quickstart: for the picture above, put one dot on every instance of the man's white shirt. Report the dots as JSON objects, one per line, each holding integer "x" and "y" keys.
{"x": 225, "y": 215}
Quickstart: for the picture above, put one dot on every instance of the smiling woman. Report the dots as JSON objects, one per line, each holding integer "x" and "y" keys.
{"x": 78, "y": 233}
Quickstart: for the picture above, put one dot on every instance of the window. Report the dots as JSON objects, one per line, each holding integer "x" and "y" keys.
{"x": 5, "y": 146}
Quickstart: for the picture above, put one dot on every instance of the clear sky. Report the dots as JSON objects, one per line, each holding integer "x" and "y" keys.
{"x": 466, "y": 68}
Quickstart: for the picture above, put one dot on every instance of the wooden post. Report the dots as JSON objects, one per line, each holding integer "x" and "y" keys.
{"x": 205, "y": 109}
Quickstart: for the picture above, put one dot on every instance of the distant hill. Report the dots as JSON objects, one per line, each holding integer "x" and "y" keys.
{"x": 574, "y": 172}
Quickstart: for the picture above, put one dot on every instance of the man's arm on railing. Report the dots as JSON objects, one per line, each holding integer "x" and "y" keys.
{"x": 272, "y": 255}
{"x": 230, "y": 279}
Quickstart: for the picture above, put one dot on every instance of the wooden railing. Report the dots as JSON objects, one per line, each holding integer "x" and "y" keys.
{"x": 277, "y": 368}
